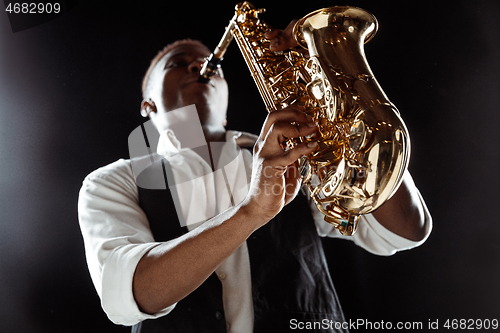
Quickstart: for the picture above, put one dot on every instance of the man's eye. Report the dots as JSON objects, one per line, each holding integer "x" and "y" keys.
{"x": 176, "y": 64}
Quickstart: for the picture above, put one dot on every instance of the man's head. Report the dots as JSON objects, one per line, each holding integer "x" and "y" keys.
{"x": 171, "y": 83}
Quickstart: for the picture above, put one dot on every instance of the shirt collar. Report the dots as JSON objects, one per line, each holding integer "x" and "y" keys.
{"x": 168, "y": 143}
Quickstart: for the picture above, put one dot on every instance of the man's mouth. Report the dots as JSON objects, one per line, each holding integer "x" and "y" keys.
{"x": 195, "y": 80}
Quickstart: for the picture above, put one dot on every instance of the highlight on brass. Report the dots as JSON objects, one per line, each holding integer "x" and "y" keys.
{"x": 363, "y": 144}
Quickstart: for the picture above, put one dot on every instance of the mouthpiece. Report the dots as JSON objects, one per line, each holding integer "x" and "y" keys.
{"x": 210, "y": 67}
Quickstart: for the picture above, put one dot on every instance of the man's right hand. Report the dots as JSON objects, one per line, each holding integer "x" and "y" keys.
{"x": 275, "y": 178}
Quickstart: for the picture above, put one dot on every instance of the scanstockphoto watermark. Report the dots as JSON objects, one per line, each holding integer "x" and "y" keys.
{"x": 325, "y": 324}
{"x": 364, "y": 324}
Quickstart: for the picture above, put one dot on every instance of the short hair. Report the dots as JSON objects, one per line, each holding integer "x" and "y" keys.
{"x": 162, "y": 53}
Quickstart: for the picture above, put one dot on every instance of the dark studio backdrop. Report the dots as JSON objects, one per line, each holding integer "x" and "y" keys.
{"x": 70, "y": 96}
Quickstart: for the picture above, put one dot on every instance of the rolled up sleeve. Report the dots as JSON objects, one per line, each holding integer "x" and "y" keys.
{"x": 116, "y": 235}
{"x": 371, "y": 235}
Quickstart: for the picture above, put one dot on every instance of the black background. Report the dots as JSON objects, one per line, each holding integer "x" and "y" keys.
{"x": 70, "y": 96}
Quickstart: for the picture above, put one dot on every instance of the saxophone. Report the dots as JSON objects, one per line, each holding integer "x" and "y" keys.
{"x": 363, "y": 144}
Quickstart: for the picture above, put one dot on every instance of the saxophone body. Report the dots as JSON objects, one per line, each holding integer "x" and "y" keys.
{"x": 363, "y": 144}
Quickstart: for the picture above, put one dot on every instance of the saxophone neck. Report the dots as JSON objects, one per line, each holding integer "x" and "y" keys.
{"x": 213, "y": 62}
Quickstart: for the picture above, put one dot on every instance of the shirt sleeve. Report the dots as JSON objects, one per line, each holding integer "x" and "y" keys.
{"x": 116, "y": 234}
{"x": 371, "y": 235}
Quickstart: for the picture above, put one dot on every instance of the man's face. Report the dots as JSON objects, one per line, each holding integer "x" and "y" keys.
{"x": 175, "y": 80}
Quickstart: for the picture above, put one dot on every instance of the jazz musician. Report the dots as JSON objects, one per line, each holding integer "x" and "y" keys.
{"x": 256, "y": 264}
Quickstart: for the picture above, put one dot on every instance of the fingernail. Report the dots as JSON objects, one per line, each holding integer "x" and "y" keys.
{"x": 311, "y": 124}
{"x": 312, "y": 144}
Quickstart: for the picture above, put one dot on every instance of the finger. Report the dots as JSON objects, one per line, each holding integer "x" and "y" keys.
{"x": 279, "y": 43}
{"x": 281, "y": 40}
{"x": 274, "y": 36}
{"x": 292, "y": 182}
{"x": 292, "y": 174}
{"x": 284, "y": 131}
{"x": 273, "y": 33}
{"x": 290, "y": 114}
{"x": 288, "y": 33}
{"x": 279, "y": 163}
{"x": 304, "y": 148}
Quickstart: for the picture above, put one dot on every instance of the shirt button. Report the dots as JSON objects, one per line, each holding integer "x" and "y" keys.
{"x": 218, "y": 315}
{"x": 222, "y": 276}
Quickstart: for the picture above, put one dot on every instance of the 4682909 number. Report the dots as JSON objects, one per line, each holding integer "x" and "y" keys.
{"x": 471, "y": 324}
{"x": 33, "y": 8}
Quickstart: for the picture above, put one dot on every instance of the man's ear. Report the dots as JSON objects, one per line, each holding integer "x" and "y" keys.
{"x": 147, "y": 106}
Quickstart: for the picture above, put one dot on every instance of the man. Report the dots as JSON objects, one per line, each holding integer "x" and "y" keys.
{"x": 267, "y": 274}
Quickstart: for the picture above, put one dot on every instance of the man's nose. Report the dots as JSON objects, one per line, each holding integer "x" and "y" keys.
{"x": 195, "y": 66}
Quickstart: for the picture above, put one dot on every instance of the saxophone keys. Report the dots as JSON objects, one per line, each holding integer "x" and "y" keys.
{"x": 316, "y": 88}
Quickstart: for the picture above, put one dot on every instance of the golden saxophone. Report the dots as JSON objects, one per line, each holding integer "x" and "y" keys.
{"x": 363, "y": 144}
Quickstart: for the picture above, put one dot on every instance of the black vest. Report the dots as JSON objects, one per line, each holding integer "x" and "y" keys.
{"x": 291, "y": 285}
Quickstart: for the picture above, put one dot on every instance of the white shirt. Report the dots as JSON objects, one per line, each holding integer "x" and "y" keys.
{"x": 116, "y": 231}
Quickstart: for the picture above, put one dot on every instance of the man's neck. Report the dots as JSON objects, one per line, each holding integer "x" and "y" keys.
{"x": 218, "y": 135}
